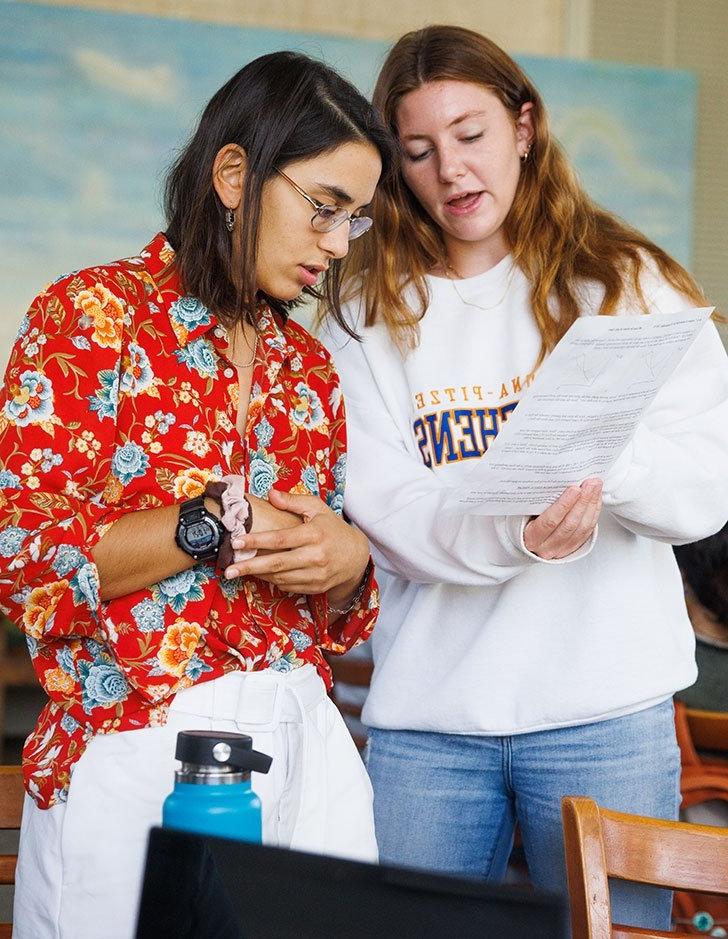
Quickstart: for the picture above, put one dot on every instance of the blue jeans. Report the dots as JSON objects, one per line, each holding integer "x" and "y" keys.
{"x": 449, "y": 802}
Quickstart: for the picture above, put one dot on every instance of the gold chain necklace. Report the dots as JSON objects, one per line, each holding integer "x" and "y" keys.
{"x": 232, "y": 361}
{"x": 453, "y": 277}
{"x": 245, "y": 364}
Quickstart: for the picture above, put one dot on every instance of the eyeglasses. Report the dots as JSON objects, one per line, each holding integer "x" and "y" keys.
{"x": 328, "y": 217}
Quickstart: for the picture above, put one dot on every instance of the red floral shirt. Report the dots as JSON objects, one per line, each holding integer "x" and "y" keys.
{"x": 118, "y": 397}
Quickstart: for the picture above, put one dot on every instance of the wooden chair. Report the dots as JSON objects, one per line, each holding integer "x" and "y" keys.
{"x": 16, "y": 670}
{"x": 356, "y": 672}
{"x": 704, "y": 776}
{"x": 600, "y": 844}
{"x": 11, "y": 809}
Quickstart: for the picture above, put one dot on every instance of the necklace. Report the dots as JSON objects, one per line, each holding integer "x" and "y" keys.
{"x": 244, "y": 364}
{"x": 453, "y": 277}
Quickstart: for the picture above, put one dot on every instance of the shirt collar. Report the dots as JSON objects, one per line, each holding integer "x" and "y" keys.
{"x": 191, "y": 319}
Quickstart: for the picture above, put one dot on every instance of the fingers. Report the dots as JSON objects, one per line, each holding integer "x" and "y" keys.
{"x": 306, "y": 506}
{"x": 285, "y": 539}
{"x": 303, "y": 570}
{"x": 574, "y": 528}
{"x": 540, "y": 528}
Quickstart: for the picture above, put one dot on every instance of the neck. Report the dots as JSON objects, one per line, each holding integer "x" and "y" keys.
{"x": 468, "y": 259}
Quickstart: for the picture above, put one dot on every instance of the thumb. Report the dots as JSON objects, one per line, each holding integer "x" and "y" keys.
{"x": 305, "y": 506}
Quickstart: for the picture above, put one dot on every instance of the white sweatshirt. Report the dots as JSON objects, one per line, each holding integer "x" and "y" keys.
{"x": 476, "y": 635}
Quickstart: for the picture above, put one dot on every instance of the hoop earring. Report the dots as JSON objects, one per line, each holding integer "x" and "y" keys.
{"x": 524, "y": 155}
{"x": 229, "y": 219}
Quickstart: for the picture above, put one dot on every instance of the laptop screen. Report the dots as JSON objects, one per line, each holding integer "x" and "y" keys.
{"x": 197, "y": 887}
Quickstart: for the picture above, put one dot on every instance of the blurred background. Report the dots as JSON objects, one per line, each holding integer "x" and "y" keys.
{"x": 96, "y": 98}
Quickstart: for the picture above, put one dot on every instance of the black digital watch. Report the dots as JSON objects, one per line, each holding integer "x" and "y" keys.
{"x": 199, "y": 533}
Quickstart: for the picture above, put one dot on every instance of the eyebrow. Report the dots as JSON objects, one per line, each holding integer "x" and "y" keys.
{"x": 457, "y": 120}
{"x": 336, "y": 193}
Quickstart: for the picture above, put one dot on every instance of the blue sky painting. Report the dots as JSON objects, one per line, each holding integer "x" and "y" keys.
{"x": 94, "y": 105}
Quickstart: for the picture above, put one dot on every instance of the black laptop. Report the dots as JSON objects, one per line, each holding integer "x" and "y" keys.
{"x": 198, "y": 888}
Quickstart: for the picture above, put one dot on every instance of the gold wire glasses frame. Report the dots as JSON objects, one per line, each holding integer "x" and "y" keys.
{"x": 328, "y": 217}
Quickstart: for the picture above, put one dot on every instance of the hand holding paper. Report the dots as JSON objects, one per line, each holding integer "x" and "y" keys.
{"x": 580, "y": 413}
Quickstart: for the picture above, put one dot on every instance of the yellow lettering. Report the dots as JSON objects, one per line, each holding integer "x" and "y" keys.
{"x": 434, "y": 397}
{"x": 478, "y": 392}
{"x": 450, "y": 392}
{"x": 516, "y": 382}
{"x": 504, "y": 391}
{"x": 464, "y": 390}
{"x": 419, "y": 400}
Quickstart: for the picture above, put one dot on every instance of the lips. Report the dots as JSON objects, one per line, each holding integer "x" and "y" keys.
{"x": 309, "y": 273}
{"x": 463, "y": 203}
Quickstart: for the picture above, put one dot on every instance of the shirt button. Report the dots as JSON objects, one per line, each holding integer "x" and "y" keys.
{"x": 228, "y": 373}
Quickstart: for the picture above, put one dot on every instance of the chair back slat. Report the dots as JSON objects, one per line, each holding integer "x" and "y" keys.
{"x": 668, "y": 854}
{"x": 600, "y": 844}
{"x": 708, "y": 729}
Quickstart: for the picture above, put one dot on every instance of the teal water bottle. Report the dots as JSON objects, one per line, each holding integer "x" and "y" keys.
{"x": 212, "y": 794}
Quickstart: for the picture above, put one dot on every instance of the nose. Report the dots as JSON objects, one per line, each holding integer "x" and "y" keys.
{"x": 450, "y": 165}
{"x": 336, "y": 242}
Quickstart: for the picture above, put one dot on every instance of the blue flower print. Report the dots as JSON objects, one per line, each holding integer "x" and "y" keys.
{"x": 69, "y": 724}
{"x": 307, "y": 411}
{"x": 101, "y": 685}
{"x": 264, "y": 433}
{"x": 300, "y": 640}
{"x": 65, "y": 660}
{"x": 310, "y": 480}
{"x": 338, "y": 471}
{"x": 149, "y": 616}
{"x": 195, "y": 667}
{"x": 106, "y": 400}
{"x": 281, "y": 665}
{"x": 263, "y": 473}
{"x": 137, "y": 375}
{"x": 181, "y": 589}
{"x": 190, "y": 313}
{"x": 11, "y": 540}
{"x": 67, "y": 559}
{"x": 335, "y": 502}
{"x": 8, "y": 480}
{"x": 50, "y": 459}
{"x": 231, "y": 588}
{"x": 32, "y": 645}
{"x": 31, "y": 402}
{"x": 86, "y": 587}
{"x": 129, "y": 462}
{"x": 199, "y": 356}
{"x": 23, "y": 328}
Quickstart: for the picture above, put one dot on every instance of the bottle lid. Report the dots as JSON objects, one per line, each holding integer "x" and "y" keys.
{"x": 207, "y": 748}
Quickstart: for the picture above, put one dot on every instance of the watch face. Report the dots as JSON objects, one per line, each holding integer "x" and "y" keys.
{"x": 201, "y": 535}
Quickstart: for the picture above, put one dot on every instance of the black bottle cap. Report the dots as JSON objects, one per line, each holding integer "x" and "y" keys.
{"x": 207, "y": 748}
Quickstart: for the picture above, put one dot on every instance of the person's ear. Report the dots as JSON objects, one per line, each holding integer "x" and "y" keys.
{"x": 524, "y": 128}
{"x": 228, "y": 174}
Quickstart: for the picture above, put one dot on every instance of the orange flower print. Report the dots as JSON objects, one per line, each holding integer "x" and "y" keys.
{"x": 107, "y": 313}
{"x": 55, "y": 679}
{"x": 112, "y": 490}
{"x": 178, "y": 646}
{"x": 191, "y": 482}
{"x": 40, "y": 607}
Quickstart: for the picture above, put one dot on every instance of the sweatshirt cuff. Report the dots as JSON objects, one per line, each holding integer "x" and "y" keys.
{"x": 516, "y": 527}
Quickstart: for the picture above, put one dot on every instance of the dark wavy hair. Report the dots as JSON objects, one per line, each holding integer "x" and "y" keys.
{"x": 704, "y": 565}
{"x": 279, "y": 108}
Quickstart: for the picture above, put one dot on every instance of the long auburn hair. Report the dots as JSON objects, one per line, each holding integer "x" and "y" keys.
{"x": 557, "y": 235}
{"x": 279, "y": 108}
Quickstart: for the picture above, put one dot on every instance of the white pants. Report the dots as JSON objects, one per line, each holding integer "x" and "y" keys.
{"x": 80, "y": 863}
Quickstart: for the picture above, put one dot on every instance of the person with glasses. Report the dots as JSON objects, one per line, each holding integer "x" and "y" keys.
{"x": 156, "y": 412}
{"x": 516, "y": 659}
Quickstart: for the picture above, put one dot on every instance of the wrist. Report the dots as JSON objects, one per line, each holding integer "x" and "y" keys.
{"x": 342, "y": 598}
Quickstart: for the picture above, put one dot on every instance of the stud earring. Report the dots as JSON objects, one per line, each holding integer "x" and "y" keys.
{"x": 524, "y": 155}
{"x": 229, "y": 219}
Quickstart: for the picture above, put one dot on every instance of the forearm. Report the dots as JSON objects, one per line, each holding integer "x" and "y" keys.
{"x": 138, "y": 550}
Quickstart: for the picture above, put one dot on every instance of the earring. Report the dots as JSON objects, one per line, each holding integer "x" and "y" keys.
{"x": 524, "y": 155}
{"x": 229, "y": 219}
